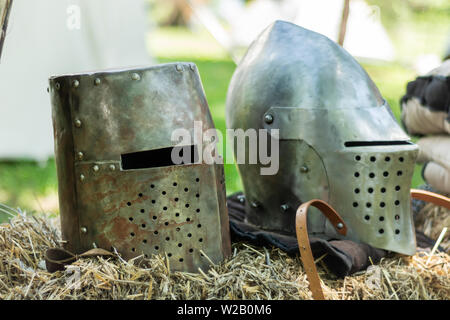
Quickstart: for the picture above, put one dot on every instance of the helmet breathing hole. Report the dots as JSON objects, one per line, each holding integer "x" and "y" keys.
{"x": 383, "y": 190}
{"x": 355, "y": 204}
{"x": 372, "y": 175}
{"x": 399, "y": 173}
{"x": 397, "y": 202}
{"x": 381, "y": 218}
{"x": 382, "y": 204}
{"x": 385, "y": 174}
{"x": 381, "y": 231}
{"x": 397, "y": 231}
{"x": 387, "y": 159}
{"x": 373, "y": 159}
{"x": 397, "y": 188}
{"x": 356, "y": 174}
{"x": 357, "y": 190}
{"x": 368, "y": 204}
{"x": 367, "y": 217}
{"x": 357, "y": 158}
{"x": 370, "y": 190}
{"x": 401, "y": 159}
{"x": 397, "y": 217}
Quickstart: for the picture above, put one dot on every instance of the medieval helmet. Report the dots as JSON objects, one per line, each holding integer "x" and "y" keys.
{"x": 338, "y": 140}
{"x": 119, "y": 187}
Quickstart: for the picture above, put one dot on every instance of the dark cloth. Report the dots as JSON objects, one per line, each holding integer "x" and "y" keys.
{"x": 432, "y": 91}
{"x": 344, "y": 257}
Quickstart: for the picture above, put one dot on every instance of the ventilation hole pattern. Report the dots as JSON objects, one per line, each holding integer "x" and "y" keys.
{"x": 376, "y": 190}
{"x": 165, "y": 218}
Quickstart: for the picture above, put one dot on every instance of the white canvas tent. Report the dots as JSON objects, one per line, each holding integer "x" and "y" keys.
{"x": 50, "y": 37}
{"x": 365, "y": 36}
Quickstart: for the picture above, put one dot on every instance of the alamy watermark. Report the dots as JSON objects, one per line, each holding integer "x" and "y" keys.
{"x": 73, "y": 21}
{"x": 250, "y": 146}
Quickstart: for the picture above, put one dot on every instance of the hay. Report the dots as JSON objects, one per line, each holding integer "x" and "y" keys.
{"x": 251, "y": 273}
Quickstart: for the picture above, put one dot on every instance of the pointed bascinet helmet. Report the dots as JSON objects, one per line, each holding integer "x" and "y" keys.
{"x": 338, "y": 140}
{"x": 119, "y": 187}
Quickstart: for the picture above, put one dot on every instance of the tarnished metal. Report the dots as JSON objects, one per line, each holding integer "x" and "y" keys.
{"x": 339, "y": 141}
{"x": 5, "y": 9}
{"x": 178, "y": 210}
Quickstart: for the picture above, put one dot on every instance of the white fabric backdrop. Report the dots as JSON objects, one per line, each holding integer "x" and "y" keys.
{"x": 39, "y": 44}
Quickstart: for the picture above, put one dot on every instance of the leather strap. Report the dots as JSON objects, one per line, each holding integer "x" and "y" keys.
{"x": 57, "y": 258}
{"x": 303, "y": 240}
{"x": 432, "y": 197}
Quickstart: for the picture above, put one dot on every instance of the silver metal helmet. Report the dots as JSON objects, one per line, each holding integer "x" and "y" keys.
{"x": 338, "y": 140}
{"x": 118, "y": 184}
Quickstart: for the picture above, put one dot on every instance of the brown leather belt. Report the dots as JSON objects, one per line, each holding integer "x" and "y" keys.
{"x": 432, "y": 197}
{"x": 303, "y": 241}
{"x": 336, "y": 220}
{"x": 57, "y": 258}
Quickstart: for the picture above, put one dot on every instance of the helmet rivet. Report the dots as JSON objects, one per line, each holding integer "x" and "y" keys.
{"x": 57, "y": 86}
{"x": 97, "y": 81}
{"x": 96, "y": 168}
{"x": 268, "y": 118}
{"x": 83, "y": 229}
{"x": 76, "y": 83}
{"x": 241, "y": 198}
{"x": 78, "y": 123}
{"x": 179, "y": 68}
{"x": 112, "y": 167}
{"x": 254, "y": 204}
{"x": 340, "y": 225}
{"x": 304, "y": 169}
{"x": 135, "y": 77}
{"x": 48, "y": 89}
{"x": 80, "y": 155}
{"x": 284, "y": 207}
{"x": 82, "y": 177}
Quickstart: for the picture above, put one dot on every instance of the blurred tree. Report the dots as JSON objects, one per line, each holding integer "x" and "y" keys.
{"x": 173, "y": 12}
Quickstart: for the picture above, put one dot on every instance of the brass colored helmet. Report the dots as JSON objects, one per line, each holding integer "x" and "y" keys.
{"x": 338, "y": 140}
{"x": 118, "y": 185}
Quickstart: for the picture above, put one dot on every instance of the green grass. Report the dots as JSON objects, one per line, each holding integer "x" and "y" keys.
{"x": 33, "y": 186}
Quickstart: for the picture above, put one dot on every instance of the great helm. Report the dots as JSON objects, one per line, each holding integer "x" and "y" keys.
{"x": 338, "y": 140}
{"x": 118, "y": 185}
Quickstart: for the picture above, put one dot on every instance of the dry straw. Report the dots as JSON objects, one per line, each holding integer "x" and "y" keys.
{"x": 251, "y": 273}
